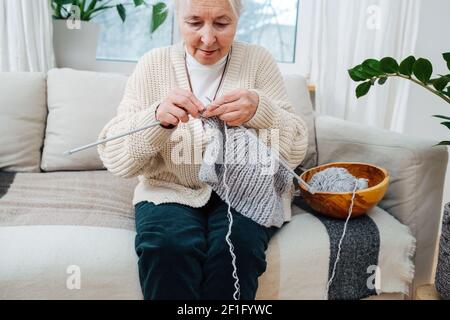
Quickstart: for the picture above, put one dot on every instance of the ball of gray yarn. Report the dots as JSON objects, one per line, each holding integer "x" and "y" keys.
{"x": 336, "y": 180}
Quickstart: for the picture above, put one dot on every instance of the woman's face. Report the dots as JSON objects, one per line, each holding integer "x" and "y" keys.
{"x": 208, "y": 28}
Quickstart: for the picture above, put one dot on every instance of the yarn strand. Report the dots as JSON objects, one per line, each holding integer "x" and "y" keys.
{"x": 236, "y": 295}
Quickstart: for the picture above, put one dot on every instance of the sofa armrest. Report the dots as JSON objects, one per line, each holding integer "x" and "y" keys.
{"x": 417, "y": 174}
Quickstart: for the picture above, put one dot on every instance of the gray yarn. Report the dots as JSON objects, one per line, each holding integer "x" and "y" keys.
{"x": 336, "y": 179}
{"x": 255, "y": 190}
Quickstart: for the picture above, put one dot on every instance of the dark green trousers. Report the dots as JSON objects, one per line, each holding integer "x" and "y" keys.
{"x": 183, "y": 253}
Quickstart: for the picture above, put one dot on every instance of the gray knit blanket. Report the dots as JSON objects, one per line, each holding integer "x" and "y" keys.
{"x": 245, "y": 172}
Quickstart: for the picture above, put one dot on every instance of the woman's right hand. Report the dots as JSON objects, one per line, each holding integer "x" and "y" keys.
{"x": 176, "y": 107}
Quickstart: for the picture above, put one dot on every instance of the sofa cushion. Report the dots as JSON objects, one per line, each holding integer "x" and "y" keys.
{"x": 68, "y": 262}
{"x": 88, "y": 198}
{"x": 299, "y": 256}
{"x": 80, "y": 103}
{"x": 22, "y": 120}
{"x": 297, "y": 89}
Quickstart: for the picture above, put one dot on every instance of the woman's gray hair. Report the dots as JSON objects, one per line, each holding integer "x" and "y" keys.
{"x": 236, "y": 5}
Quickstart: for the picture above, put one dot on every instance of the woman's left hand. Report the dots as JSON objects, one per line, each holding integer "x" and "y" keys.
{"x": 234, "y": 108}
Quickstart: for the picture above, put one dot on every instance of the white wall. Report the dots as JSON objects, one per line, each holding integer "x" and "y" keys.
{"x": 433, "y": 40}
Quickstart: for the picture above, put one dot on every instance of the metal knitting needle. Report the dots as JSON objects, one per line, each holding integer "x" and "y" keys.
{"x": 67, "y": 153}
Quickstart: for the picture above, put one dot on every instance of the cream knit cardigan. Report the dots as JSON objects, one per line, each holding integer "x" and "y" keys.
{"x": 167, "y": 161}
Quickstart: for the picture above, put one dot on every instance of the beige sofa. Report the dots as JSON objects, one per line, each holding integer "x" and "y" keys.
{"x": 66, "y": 224}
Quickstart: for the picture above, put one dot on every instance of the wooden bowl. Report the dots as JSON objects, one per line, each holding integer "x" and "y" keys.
{"x": 337, "y": 204}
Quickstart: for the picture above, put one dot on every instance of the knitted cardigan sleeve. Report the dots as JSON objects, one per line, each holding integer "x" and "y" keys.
{"x": 275, "y": 111}
{"x": 126, "y": 156}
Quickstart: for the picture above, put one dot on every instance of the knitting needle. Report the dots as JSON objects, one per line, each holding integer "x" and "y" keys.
{"x": 67, "y": 153}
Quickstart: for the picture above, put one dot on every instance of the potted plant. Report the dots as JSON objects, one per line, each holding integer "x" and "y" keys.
{"x": 419, "y": 71}
{"x": 75, "y": 35}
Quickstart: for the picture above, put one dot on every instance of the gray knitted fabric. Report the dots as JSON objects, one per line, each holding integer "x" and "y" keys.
{"x": 442, "y": 278}
{"x": 254, "y": 177}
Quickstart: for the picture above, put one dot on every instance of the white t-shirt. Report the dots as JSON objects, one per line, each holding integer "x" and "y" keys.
{"x": 204, "y": 78}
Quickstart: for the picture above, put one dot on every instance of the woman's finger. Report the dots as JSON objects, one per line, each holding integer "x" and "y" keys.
{"x": 178, "y": 112}
{"x": 196, "y": 102}
{"x": 186, "y": 104}
{"x": 231, "y": 116}
{"x": 167, "y": 118}
{"x": 227, "y": 98}
{"x": 225, "y": 108}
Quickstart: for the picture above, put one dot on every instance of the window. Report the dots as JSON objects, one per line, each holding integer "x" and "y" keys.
{"x": 132, "y": 39}
{"x": 270, "y": 23}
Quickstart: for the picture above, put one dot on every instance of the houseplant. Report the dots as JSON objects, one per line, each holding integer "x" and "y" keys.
{"x": 88, "y": 9}
{"x": 419, "y": 71}
{"x": 75, "y": 35}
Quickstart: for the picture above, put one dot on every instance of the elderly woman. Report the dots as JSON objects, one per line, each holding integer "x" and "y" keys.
{"x": 181, "y": 222}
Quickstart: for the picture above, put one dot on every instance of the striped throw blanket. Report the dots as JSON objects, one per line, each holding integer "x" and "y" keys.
{"x": 376, "y": 257}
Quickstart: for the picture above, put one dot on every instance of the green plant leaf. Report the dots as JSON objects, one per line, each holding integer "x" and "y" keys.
{"x": 406, "y": 66}
{"x": 359, "y": 73}
{"x": 382, "y": 80}
{"x": 440, "y": 116}
{"x": 440, "y": 83}
{"x": 363, "y": 89}
{"x": 446, "y": 56}
{"x": 57, "y": 6}
{"x": 372, "y": 67}
{"x": 82, "y": 6}
{"x": 91, "y": 5}
{"x": 423, "y": 69}
{"x": 443, "y": 143}
{"x": 389, "y": 65}
{"x": 446, "y": 123}
{"x": 355, "y": 76}
{"x": 159, "y": 15}
{"x": 137, "y": 3}
{"x": 62, "y": 2}
{"x": 122, "y": 12}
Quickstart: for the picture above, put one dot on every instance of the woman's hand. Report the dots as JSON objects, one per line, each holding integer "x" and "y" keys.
{"x": 176, "y": 107}
{"x": 234, "y": 108}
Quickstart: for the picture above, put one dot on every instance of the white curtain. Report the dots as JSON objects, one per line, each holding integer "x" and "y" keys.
{"x": 336, "y": 35}
{"x": 26, "y": 36}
